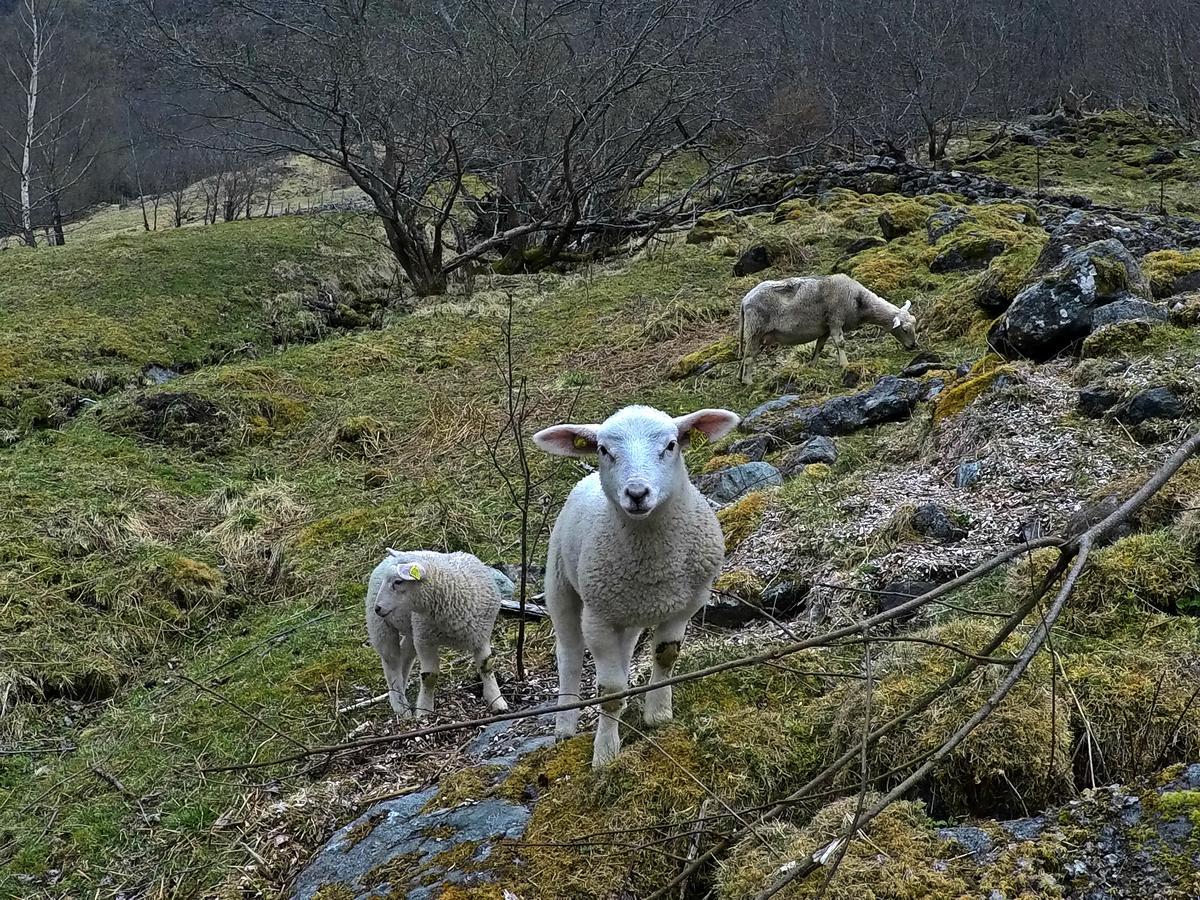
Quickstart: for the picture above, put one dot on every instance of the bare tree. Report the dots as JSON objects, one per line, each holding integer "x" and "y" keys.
{"x": 565, "y": 110}
{"x": 40, "y": 21}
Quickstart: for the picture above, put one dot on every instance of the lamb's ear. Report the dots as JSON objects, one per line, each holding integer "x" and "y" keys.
{"x": 906, "y": 307}
{"x": 712, "y": 423}
{"x": 896, "y": 322}
{"x": 410, "y": 571}
{"x": 568, "y": 440}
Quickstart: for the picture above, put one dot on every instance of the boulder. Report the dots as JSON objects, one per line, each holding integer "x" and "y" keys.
{"x": 972, "y": 253}
{"x": 934, "y": 521}
{"x": 729, "y": 484}
{"x": 405, "y": 847}
{"x": 820, "y": 449}
{"x": 755, "y": 448}
{"x": 866, "y": 242}
{"x": 755, "y": 259}
{"x": 1056, "y": 312}
{"x": 1093, "y": 514}
{"x": 897, "y": 593}
{"x": 891, "y": 399}
{"x": 967, "y": 473}
{"x": 1130, "y": 310}
{"x": 1161, "y": 156}
{"x": 1152, "y": 403}
{"x": 1097, "y": 399}
{"x": 943, "y": 221}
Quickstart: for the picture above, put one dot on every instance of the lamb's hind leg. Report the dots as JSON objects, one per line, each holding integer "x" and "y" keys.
{"x": 612, "y": 649}
{"x": 487, "y": 675}
{"x": 668, "y": 638}
{"x": 817, "y": 348}
{"x": 566, "y": 611}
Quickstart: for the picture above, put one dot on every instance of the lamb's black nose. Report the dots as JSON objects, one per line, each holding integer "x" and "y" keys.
{"x": 379, "y": 610}
{"x": 637, "y": 493}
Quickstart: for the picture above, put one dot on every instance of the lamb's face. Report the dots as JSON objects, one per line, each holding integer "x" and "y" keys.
{"x": 904, "y": 327}
{"x": 639, "y": 452}
{"x": 399, "y": 584}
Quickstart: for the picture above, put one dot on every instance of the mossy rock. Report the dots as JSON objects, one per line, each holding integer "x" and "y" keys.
{"x": 902, "y": 217}
{"x": 962, "y": 393}
{"x": 724, "y": 461}
{"x": 722, "y": 351}
{"x": 740, "y": 520}
{"x": 903, "y": 835}
{"x": 711, "y": 226}
{"x": 1172, "y": 271}
{"x": 1116, "y": 338}
{"x": 186, "y": 582}
{"x": 1185, "y": 311}
{"x": 794, "y": 211}
{"x": 740, "y": 583}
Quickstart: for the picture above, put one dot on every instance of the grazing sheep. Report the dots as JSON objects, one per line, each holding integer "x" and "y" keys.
{"x": 418, "y": 602}
{"x": 815, "y": 308}
{"x": 636, "y": 546}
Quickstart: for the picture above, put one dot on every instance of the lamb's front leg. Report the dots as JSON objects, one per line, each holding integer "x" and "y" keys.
{"x": 427, "y": 653}
{"x": 487, "y": 675}
{"x": 612, "y": 649}
{"x": 839, "y": 342}
{"x": 668, "y": 638}
{"x": 818, "y": 346}
{"x": 398, "y": 661}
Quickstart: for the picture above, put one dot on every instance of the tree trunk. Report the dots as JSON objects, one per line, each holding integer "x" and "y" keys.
{"x": 31, "y": 100}
{"x": 422, "y": 269}
{"x": 60, "y": 239}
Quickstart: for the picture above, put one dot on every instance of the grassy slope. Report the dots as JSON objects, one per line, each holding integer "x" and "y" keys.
{"x": 1106, "y": 160}
{"x": 130, "y": 560}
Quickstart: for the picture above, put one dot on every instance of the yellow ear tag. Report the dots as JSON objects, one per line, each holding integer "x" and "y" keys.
{"x": 415, "y": 571}
{"x": 581, "y": 443}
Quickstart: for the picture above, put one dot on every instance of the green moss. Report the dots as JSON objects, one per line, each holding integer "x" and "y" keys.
{"x": 963, "y": 392}
{"x": 711, "y": 226}
{"x": 333, "y": 892}
{"x": 722, "y": 351}
{"x": 903, "y": 835}
{"x": 1116, "y": 338}
{"x": 739, "y": 520}
{"x": 904, "y": 216}
{"x": 1151, "y": 570}
{"x": 462, "y": 786}
{"x": 724, "y": 461}
{"x": 1165, "y": 267}
{"x": 740, "y": 583}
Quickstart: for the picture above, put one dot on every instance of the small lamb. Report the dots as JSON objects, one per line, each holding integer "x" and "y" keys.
{"x": 815, "y": 308}
{"x": 636, "y": 546}
{"x": 420, "y": 601}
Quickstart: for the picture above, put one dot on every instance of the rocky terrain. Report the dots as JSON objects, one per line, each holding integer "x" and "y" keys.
{"x": 207, "y": 452}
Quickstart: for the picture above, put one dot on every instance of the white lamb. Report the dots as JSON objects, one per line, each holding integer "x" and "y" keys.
{"x": 636, "y": 546}
{"x": 420, "y": 601}
{"x": 815, "y": 308}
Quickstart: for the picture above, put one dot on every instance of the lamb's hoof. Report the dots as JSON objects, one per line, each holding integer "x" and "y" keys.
{"x": 656, "y": 717}
{"x": 499, "y": 705}
{"x": 603, "y": 754}
{"x": 566, "y": 726}
{"x": 402, "y": 711}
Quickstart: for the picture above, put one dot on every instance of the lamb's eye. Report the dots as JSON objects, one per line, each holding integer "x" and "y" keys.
{"x": 671, "y": 445}
{"x": 604, "y": 452}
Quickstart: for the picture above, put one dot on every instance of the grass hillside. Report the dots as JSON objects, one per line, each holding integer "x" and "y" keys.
{"x": 182, "y": 564}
